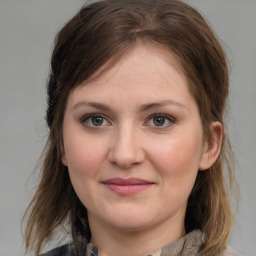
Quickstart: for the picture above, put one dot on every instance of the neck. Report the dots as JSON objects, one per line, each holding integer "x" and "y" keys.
{"x": 115, "y": 242}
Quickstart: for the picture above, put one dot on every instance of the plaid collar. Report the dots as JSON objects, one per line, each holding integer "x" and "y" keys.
{"x": 189, "y": 245}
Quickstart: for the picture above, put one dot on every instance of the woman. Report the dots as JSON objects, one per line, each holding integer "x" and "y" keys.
{"x": 135, "y": 158}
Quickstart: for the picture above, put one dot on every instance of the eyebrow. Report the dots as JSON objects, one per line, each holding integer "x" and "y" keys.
{"x": 148, "y": 106}
{"x": 141, "y": 108}
{"x": 92, "y": 104}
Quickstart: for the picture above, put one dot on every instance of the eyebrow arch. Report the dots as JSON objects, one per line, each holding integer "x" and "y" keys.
{"x": 92, "y": 104}
{"x": 141, "y": 108}
{"x": 146, "y": 107}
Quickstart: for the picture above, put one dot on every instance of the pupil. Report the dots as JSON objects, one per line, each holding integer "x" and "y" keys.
{"x": 97, "y": 121}
{"x": 159, "y": 121}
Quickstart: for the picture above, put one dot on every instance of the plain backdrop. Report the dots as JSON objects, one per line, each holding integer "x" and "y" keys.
{"x": 27, "y": 30}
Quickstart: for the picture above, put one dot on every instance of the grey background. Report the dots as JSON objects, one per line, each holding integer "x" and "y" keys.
{"x": 27, "y": 29}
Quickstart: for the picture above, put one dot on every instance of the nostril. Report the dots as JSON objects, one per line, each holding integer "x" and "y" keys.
{"x": 126, "y": 148}
{"x": 123, "y": 161}
{"x": 124, "y": 158}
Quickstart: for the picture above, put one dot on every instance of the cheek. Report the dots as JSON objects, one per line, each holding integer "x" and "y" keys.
{"x": 178, "y": 153}
{"x": 177, "y": 162}
{"x": 83, "y": 156}
{"x": 84, "y": 161}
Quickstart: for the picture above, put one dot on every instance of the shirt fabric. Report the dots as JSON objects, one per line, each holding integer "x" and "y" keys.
{"x": 188, "y": 245}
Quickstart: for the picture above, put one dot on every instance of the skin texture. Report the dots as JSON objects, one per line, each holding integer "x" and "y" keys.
{"x": 147, "y": 126}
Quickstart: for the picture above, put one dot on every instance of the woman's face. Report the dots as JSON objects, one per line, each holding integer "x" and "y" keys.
{"x": 133, "y": 143}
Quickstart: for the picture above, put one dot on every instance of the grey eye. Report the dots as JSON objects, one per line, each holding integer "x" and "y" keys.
{"x": 97, "y": 120}
{"x": 159, "y": 121}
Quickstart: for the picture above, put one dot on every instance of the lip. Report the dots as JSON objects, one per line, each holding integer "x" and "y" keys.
{"x": 128, "y": 186}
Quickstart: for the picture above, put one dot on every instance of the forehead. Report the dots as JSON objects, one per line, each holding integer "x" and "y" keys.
{"x": 140, "y": 60}
{"x": 145, "y": 74}
{"x": 141, "y": 50}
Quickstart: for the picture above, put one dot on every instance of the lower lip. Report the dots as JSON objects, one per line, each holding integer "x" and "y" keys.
{"x": 128, "y": 189}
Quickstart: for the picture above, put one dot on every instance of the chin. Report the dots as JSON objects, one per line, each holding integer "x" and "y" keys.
{"x": 132, "y": 221}
{"x": 129, "y": 225}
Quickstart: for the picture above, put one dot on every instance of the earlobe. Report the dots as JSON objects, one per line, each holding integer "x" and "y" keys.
{"x": 212, "y": 146}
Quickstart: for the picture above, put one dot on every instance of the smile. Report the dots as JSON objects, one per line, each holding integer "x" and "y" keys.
{"x": 127, "y": 187}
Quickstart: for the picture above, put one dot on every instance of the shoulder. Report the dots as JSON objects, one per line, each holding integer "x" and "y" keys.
{"x": 64, "y": 250}
{"x": 230, "y": 252}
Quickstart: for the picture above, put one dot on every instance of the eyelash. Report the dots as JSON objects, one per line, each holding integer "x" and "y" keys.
{"x": 168, "y": 118}
{"x": 85, "y": 119}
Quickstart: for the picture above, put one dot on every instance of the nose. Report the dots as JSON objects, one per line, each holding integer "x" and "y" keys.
{"x": 126, "y": 149}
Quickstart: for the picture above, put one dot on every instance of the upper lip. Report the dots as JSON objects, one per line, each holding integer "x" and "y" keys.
{"x": 127, "y": 181}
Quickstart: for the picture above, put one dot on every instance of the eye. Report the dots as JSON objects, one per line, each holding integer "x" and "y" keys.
{"x": 95, "y": 120}
{"x": 160, "y": 121}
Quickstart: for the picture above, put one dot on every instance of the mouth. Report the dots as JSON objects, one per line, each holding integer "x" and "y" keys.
{"x": 128, "y": 186}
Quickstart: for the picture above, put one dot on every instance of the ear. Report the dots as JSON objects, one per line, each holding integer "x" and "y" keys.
{"x": 64, "y": 160}
{"x": 63, "y": 157}
{"x": 212, "y": 146}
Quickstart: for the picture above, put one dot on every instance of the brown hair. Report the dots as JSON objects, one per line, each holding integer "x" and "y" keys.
{"x": 98, "y": 36}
